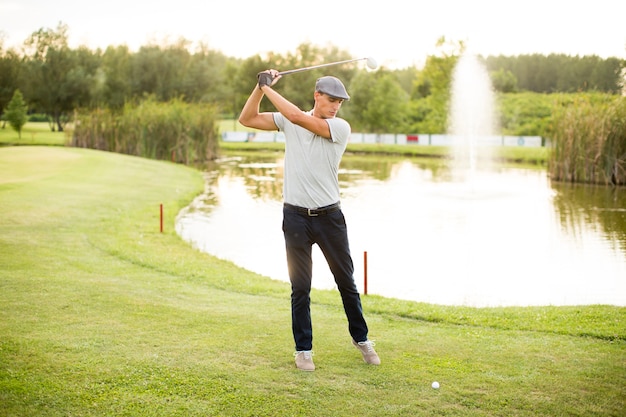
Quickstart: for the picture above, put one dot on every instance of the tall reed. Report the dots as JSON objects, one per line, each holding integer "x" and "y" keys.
{"x": 588, "y": 134}
{"x": 176, "y": 131}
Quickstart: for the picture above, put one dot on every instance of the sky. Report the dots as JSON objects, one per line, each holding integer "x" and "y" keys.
{"x": 396, "y": 33}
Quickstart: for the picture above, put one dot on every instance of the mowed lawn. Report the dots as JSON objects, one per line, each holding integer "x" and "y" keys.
{"x": 101, "y": 314}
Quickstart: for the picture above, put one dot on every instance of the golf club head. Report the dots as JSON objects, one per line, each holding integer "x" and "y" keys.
{"x": 371, "y": 63}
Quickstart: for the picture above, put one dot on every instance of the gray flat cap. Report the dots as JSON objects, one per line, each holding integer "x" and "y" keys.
{"x": 332, "y": 86}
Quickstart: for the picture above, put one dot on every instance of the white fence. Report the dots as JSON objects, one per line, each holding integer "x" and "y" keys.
{"x": 397, "y": 139}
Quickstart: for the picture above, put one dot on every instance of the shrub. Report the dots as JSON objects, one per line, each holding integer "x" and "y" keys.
{"x": 175, "y": 130}
{"x": 589, "y": 137}
{"x": 38, "y": 117}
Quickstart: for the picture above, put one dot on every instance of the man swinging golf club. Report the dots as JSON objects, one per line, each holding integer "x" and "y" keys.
{"x": 314, "y": 144}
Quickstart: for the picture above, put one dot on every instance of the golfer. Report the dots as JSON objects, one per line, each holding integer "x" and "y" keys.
{"x": 314, "y": 144}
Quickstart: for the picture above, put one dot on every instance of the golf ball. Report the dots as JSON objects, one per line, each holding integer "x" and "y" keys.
{"x": 435, "y": 385}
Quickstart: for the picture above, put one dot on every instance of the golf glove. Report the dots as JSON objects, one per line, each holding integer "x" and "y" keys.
{"x": 265, "y": 79}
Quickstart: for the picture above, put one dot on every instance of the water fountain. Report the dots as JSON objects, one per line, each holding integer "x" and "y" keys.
{"x": 472, "y": 117}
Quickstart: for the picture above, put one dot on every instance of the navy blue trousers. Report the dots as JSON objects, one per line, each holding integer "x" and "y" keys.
{"x": 330, "y": 233}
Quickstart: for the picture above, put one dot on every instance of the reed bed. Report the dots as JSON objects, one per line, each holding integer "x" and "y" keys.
{"x": 177, "y": 131}
{"x": 589, "y": 140}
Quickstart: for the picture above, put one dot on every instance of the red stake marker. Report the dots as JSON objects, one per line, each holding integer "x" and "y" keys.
{"x": 161, "y": 208}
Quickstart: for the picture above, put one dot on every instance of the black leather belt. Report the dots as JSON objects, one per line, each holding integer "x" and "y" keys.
{"x": 320, "y": 211}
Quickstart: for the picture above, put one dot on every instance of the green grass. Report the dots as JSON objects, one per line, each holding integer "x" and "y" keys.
{"x": 101, "y": 315}
{"x": 33, "y": 133}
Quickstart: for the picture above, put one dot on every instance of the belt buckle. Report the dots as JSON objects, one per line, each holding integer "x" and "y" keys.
{"x": 311, "y": 214}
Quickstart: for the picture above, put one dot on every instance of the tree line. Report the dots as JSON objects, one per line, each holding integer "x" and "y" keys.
{"x": 556, "y": 73}
{"x": 59, "y": 81}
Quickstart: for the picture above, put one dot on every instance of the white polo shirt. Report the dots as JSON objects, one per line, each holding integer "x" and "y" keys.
{"x": 311, "y": 177}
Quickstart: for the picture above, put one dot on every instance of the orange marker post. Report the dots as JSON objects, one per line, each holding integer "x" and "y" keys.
{"x": 161, "y": 209}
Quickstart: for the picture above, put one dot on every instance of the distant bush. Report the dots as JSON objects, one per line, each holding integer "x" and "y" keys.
{"x": 38, "y": 117}
{"x": 525, "y": 114}
{"x": 176, "y": 131}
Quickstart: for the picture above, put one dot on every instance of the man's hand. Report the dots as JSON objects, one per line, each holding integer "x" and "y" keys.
{"x": 265, "y": 78}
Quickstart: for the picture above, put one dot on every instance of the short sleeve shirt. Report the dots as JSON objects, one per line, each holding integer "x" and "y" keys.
{"x": 311, "y": 176}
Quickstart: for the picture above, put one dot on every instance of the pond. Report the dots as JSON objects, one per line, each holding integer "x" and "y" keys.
{"x": 504, "y": 236}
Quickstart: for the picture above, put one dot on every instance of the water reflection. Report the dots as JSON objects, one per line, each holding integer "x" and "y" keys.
{"x": 506, "y": 237}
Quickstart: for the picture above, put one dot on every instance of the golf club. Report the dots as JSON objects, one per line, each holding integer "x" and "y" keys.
{"x": 371, "y": 64}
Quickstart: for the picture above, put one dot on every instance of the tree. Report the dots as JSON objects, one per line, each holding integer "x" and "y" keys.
{"x": 504, "y": 81}
{"x": 49, "y": 65}
{"x": 116, "y": 75}
{"x": 16, "y": 113}
{"x": 379, "y": 104}
{"x": 207, "y": 79}
{"x": 560, "y": 73}
{"x": 161, "y": 70}
{"x": 431, "y": 93}
{"x": 9, "y": 75}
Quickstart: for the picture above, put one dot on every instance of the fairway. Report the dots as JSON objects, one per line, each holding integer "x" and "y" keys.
{"x": 35, "y": 165}
{"x": 101, "y": 314}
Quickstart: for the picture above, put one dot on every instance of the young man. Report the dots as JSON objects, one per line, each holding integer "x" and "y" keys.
{"x": 314, "y": 144}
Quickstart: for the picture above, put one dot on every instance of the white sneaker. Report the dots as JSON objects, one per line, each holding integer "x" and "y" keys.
{"x": 304, "y": 360}
{"x": 367, "y": 350}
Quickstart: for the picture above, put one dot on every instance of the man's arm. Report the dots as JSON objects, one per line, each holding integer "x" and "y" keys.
{"x": 295, "y": 115}
{"x": 250, "y": 116}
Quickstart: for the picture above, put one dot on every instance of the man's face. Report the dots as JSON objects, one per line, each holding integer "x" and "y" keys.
{"x": 326, "y": 105}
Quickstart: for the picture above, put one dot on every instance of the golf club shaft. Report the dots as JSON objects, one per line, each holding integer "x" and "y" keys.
{"x": 319, "y": 66}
